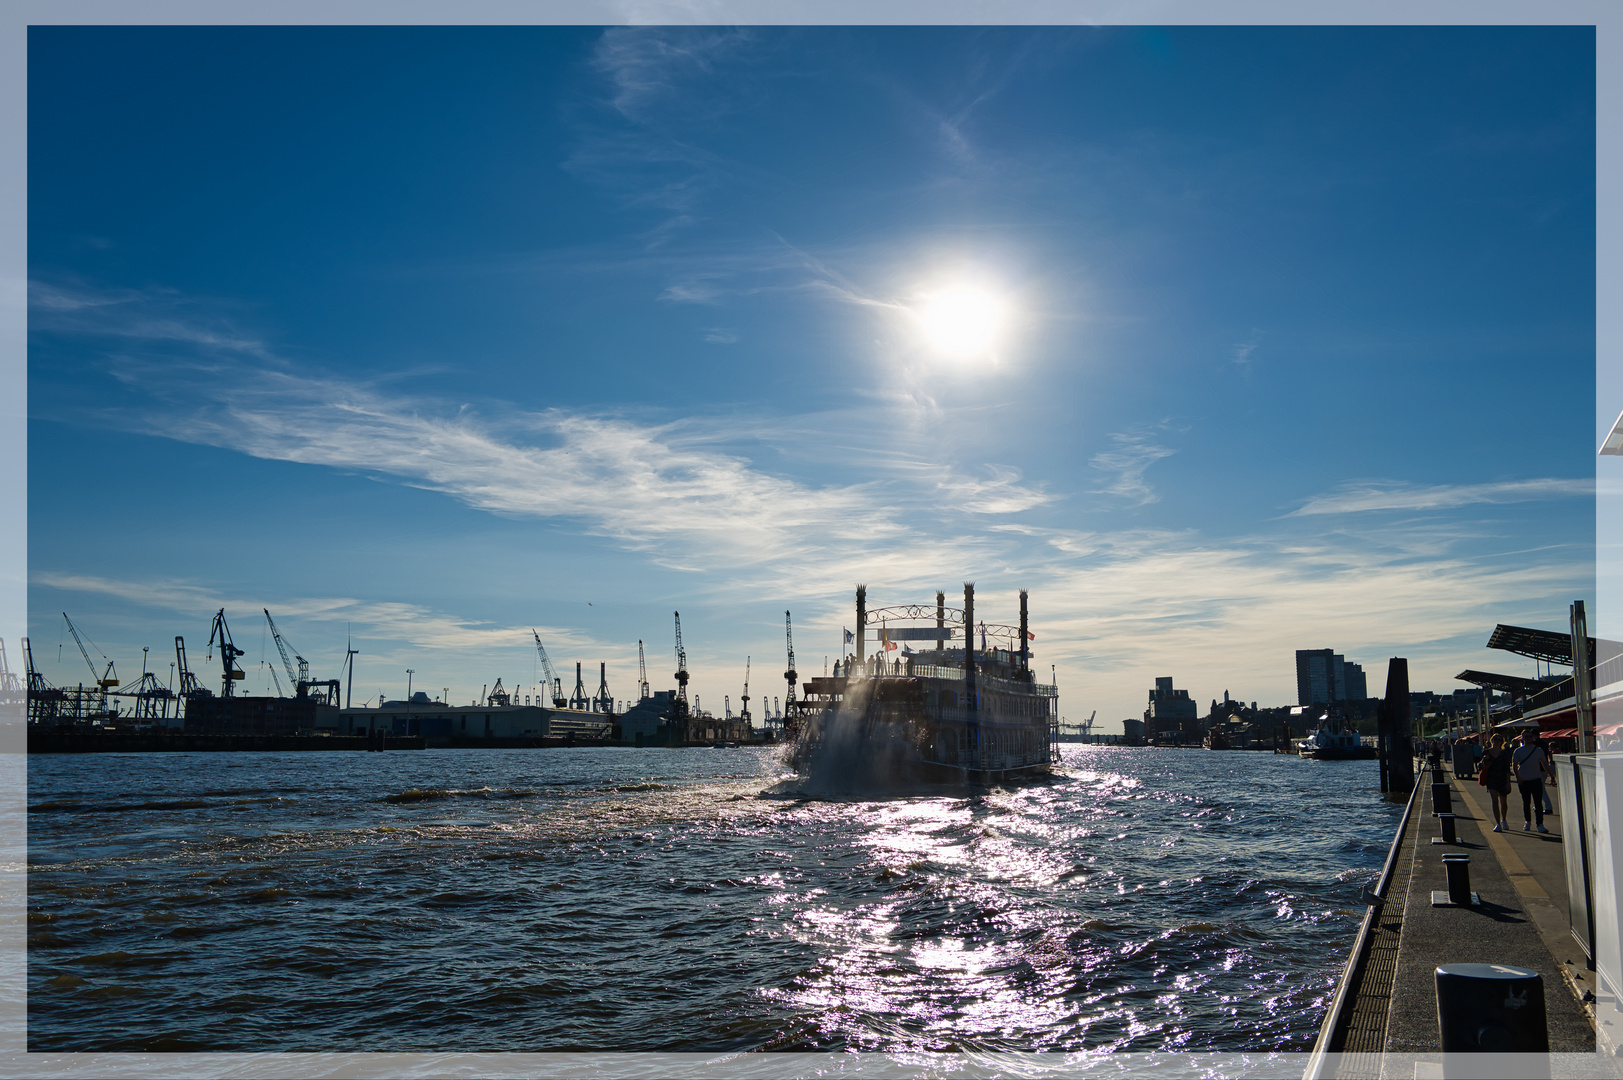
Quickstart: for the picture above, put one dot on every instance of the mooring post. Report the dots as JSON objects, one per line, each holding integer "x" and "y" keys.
{"x": 1397, "y": 753}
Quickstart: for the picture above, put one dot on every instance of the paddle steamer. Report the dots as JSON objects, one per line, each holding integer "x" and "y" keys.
{"x": 947, "y": 712}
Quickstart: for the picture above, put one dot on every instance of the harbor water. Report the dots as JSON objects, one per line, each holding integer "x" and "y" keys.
{"x": 688, "y": 900}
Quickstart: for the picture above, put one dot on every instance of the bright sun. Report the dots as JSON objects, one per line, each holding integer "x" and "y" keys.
{"x": 961, "y": 321}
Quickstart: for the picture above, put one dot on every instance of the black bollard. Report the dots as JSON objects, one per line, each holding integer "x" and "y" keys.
{"x": 1449, "y": 836}
{"x": 1436, "y": 773}
{"x": 1491, "y": 1009}
{"x": 1441, "y": 801}
{"x": 1458, "y": 894}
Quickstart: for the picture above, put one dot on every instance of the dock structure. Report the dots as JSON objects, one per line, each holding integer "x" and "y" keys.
{"x": 1383, "y": 1020}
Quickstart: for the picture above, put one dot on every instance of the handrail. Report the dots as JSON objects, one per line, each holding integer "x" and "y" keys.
{"x": 1338, "y": 1003}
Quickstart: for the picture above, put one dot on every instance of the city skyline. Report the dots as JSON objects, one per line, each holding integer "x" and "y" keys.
{"x": 468, "y": 331}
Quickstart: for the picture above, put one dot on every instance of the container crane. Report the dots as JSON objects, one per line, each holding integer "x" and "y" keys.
{"x": 642, "y": 674}
{"x": 11, "y": 687}
{"x": 189, "y": 688}
{"x": 604, "y": 701}
{"x": 744, "y": 698}
{"x": 791, "y": 675}
{"x": 579, "y": 700}
{"x": 108, "y": 679}
{"x": 681, "y": 669}
{"x": 232, "y": 674}
{"x": 555, "y": 686}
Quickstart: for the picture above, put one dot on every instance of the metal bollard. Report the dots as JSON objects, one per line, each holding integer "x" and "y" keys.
{"x": 1449, "y": 836}
{"x": 1441, "y": 801}
{"x": 1437, "y": 774}
{"x": 1491, "y": 1009}
{"x": 1458, "y": 893}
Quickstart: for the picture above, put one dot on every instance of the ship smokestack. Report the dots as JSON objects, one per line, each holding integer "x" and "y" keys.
{"x": 1025, "y": 653}
{"x": 862, "y": 626}
{"x": 973, "y": 702}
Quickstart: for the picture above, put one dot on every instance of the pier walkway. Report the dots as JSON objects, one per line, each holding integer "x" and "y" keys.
{"x": 1386, "y": 1015}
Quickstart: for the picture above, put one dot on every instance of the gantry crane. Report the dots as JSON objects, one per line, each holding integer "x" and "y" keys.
{"x": 108, "y": 679}
{"x": 642, "y": 674}
{"x": 189, "y": 688}
{"x": 228, "y": 653}
{"x": 579, "y": 700}
{"x": 791, "y": 675}
{"x": 604, "y": 701}
{"x": 555, "y": 685}
{"x": 744, "y": 698}
{"x": 11, "y": 687}
{"x": 681, "y": 668}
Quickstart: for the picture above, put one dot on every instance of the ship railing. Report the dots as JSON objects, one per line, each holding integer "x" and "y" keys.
{"x": 989, "y": 682}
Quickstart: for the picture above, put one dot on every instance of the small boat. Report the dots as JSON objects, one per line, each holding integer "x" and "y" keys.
{"x": 1335, "y": 740}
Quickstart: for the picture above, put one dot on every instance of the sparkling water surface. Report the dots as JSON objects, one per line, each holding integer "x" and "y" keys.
{"x": 688, "y": 900}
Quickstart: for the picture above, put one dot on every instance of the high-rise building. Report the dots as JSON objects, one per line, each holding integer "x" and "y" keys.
{"x": 1172, "y": 713}
{"x": 1324, "y": 676}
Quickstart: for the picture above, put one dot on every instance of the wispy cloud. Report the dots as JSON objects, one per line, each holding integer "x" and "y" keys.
{"x": 1130, "y": 455}
{"x": 153, "y": 315}
{"x": 1362, "y": 496}
{"x": 1243, "y": 349}
{"x": 665, "y": 489}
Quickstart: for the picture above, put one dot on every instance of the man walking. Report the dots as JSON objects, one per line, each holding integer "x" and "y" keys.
{"x": 1532, "y": 766}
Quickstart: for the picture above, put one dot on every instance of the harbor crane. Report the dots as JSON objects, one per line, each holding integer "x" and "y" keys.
{"x": 604, "y": 701}
{"x": 681, "y": 669}
{"x": 44, "y": 701}
{"x": 189, "y": 688}
{"x": 287, "y": 665}
{"x": 744, "y": 698}
{"x": 11, "y": 687}
{"x": 791, "y": 675}
{"x": 1086, "y": 726}
{"x": 579, "y": 700}
{"x": 642, "y": 674}
{"x": 108, "y": 679}
{"x": 228, "y": 653}
{"x": 555, "y": 685}
{"x": 302, "y": 683}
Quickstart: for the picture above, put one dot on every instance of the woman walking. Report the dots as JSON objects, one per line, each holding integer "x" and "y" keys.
{"x": 1495, "y": 776}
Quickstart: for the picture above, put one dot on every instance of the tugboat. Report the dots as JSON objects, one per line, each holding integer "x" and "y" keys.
{"x": 1335, "y": 740}
{"x": 952, "y": 714}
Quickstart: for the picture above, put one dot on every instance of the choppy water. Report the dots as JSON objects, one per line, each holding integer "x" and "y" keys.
{"x": 687, "y": 900}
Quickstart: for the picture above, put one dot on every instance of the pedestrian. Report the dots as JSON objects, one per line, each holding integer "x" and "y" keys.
{"x": 1549, "y": 781}
{"x": 1532, "y": 767}
{"x": 1495, "y": 776}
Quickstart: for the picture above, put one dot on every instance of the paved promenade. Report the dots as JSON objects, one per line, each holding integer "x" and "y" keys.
{"x": 1520, "y": 877}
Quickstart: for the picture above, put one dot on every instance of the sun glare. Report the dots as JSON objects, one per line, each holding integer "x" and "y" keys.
{"x": 961, "y": 321}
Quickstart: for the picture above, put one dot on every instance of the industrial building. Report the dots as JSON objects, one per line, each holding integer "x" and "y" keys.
{"x": 1172, "y": 715}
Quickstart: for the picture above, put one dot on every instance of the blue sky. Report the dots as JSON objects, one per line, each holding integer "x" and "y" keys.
{"x": 430, "y": 336}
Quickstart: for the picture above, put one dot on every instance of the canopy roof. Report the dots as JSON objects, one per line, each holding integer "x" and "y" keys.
{"x": 1546, "y": 645}
{"x": 1510, "y": 684}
